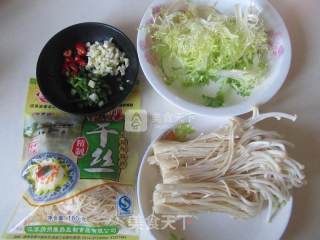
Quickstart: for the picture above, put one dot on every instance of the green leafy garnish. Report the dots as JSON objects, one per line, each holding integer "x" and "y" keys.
{"x": 183, "y": 130}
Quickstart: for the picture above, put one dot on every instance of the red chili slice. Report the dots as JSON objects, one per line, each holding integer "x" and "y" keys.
{"x": 74, "y": 69}
{"x": 81, "y": 48}
{"x": 80, "y": 61}
{"x": 76, "y": 58}
{"x": 68, "y": 60}
{"x": 67, "y": 53}
{"x": 65, "y": 66}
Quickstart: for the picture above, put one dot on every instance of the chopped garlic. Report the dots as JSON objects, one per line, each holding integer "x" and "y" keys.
{"x": 93, "y": 97}
{"x": 91, "y": 84}
{"x": 101, "y": 103}
{"x": 106, "y": 59}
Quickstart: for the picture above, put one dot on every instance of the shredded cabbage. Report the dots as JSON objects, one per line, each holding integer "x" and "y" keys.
{"x": 195, "y": 47}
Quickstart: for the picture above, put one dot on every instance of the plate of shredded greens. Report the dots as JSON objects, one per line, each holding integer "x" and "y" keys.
{"x": 214, "y": 57}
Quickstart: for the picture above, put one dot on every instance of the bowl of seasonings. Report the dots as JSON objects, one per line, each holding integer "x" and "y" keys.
{"x": 87, "y": 68}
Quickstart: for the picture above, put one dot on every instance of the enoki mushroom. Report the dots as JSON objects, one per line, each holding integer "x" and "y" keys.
{"x": 235, "y": 170}
{"x": 96, "y": 207}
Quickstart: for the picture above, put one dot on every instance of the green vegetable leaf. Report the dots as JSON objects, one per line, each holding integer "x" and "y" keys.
{"x": 183, "y": 130}
{"x": 242, "y": 88}
{"x": 216, "y": 101}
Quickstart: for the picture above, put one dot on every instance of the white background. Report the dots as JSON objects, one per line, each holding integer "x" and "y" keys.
{"x": 26, "y": 25}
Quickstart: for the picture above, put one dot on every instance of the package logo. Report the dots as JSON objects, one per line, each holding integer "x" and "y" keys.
{"x": 136, "y": 121}
{"x": 80, "y": 147}
{"x": 124, "y": 205}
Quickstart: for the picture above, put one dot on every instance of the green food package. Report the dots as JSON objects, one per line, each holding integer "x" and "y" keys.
{"x": 79, "y": 172}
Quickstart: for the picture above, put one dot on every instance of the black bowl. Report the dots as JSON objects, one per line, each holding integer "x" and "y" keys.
{"x": 52, "y": 82}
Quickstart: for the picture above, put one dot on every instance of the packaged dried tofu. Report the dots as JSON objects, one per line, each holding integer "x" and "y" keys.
{"x": 79, "y": 174}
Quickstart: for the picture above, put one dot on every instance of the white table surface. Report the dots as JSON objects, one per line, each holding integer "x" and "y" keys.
{"x": 26, "y": 25}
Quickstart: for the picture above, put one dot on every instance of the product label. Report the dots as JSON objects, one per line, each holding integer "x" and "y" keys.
{"x": 102, "y": 160}
{"x": 75, "y": 168}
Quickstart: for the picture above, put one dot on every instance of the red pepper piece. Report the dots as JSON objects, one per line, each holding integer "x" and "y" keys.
{"x": 76, "y": 58}
{"x": 81, "y": 49}
{"x": 74, "y": 69}
{"x": 67, "y": 53}
{"x": 68, "y": 60}
{"x": 80, "y": 61}
{"x": 65, "y": 69}
{"x": 65, "y": 66}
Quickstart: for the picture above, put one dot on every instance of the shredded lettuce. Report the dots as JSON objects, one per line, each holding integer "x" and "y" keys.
{"x": 195, "y": 48}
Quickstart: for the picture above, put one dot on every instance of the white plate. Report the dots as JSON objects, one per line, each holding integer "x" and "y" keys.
{"x": 208, "y": 226}
{"x": 190, "y": 99}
